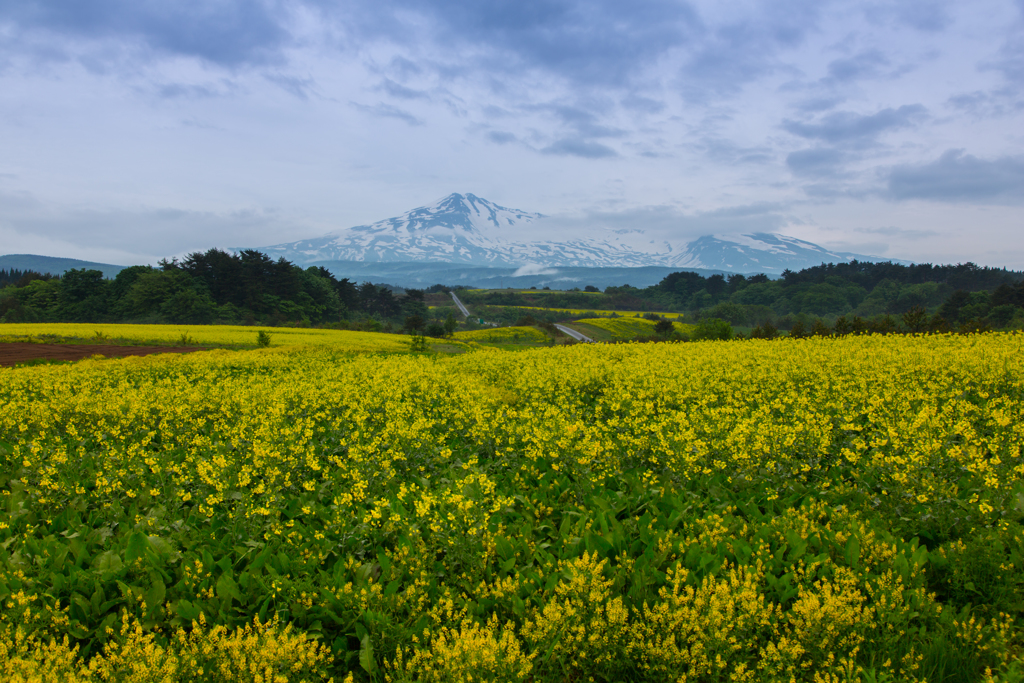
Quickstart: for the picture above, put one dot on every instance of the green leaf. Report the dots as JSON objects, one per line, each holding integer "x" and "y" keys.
{"x": 392, "y": 588}
{"x": 186, "y": 610}
{"x": 108, "y": 562}
{"x": 161, "y": 546}
{"x": 79, "y": 548}
{"x": 366, "y": 573}
{"x": 261, "y": 559}
{"x": 366, "y": 654}
{"x": 155, "y": 595}
{"x": 136, "y": 550}
{"x": 797, "y": 546}
{"x": 505, "y": 549}
{"x": 742, "y": 550}
{"x": 600, "y": 545}
{"x": 263, "y": 609}
{"x": 226, "y": 588}
{"x": 852, "y": 551}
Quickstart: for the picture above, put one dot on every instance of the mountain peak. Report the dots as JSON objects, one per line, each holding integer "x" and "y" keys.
{"x": 470, "y": 230}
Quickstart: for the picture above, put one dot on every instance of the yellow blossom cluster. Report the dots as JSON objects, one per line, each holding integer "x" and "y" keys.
{"x": 254, "y": 653}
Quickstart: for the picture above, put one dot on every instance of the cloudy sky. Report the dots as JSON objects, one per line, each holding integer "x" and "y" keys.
{"x": 136, "y": 129}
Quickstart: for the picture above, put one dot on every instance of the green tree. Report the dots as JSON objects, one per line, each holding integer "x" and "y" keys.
{"x": 414, "y": 303}
{"x": 414, "y": 324}
{"x": 765, "y": 330}
{"x": 821, "y": 329}
{"x": 450, "y": 325}
{"x": 664, "y": 328}
{"x": 319, "y": 299}
{"x": 123, "y": 281}
{"x": 712, "y": 328}
{"x": 882, "y": 299}
{"x": 1000, "y": 316}
{"x": 758, "y": 293}
{"x": 187, "y": 306}
{"x": 83, "y": 296}
{"x": 950, "y": 310}
{"x": 168, "y": 296}
{"x": 435, "y": 328}
{"x": 37, "y": 301}
{"x": 916, "y": 319}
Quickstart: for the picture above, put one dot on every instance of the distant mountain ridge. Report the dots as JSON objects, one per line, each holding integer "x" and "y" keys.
{"x": 54, "y": 265}
{"x": 471, "y": 231}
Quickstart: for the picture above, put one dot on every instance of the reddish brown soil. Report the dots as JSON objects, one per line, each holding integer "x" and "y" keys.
{"x": 20, "y": 352}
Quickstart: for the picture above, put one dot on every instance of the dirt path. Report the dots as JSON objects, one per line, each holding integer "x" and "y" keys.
{"x": 20, "y": 352}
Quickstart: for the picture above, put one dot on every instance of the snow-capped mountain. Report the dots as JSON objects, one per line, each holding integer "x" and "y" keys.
{"x": 763, "y": 252}
{"x": 471, "y": 231}
{"x": 457, "y": 229}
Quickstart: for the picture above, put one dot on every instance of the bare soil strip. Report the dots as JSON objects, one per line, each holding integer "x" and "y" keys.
{"x": 20, "y": 352}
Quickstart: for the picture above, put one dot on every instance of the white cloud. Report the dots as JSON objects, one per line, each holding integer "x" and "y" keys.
{"x": 534, "y": 269}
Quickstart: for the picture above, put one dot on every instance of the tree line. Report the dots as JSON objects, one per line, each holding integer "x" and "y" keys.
{"x": 948, "y": 296}
{"x": 213, "y": 287}
{"x": 958, "y": 294}
{"x": 249, "y": 287}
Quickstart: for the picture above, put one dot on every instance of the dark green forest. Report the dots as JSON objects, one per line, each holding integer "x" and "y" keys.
{"x": 932, "y": 297}
{"x": 214, "y": 287}
{"x": 251, "y": 288}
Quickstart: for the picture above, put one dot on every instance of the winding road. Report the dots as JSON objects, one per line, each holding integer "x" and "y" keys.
{"x": 567, "y": 330}
{"x": 465, "y": 311}
{"x": 574, "y": 334}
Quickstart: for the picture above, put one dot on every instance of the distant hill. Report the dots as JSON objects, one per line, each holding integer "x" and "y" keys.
{"x": 54, "y": 265}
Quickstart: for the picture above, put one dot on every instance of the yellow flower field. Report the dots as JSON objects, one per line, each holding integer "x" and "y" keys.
{"x": 628, "y": 328}
{"x": 506, "y": 335}
{"x": 576, "y": 312}
{"x": 821, "y": 509}
{"x": 199, "y": 335}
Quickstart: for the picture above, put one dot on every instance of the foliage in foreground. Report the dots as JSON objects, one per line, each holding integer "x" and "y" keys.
{"x": 818, "y": 509}
{"x": 260, "y": 653}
